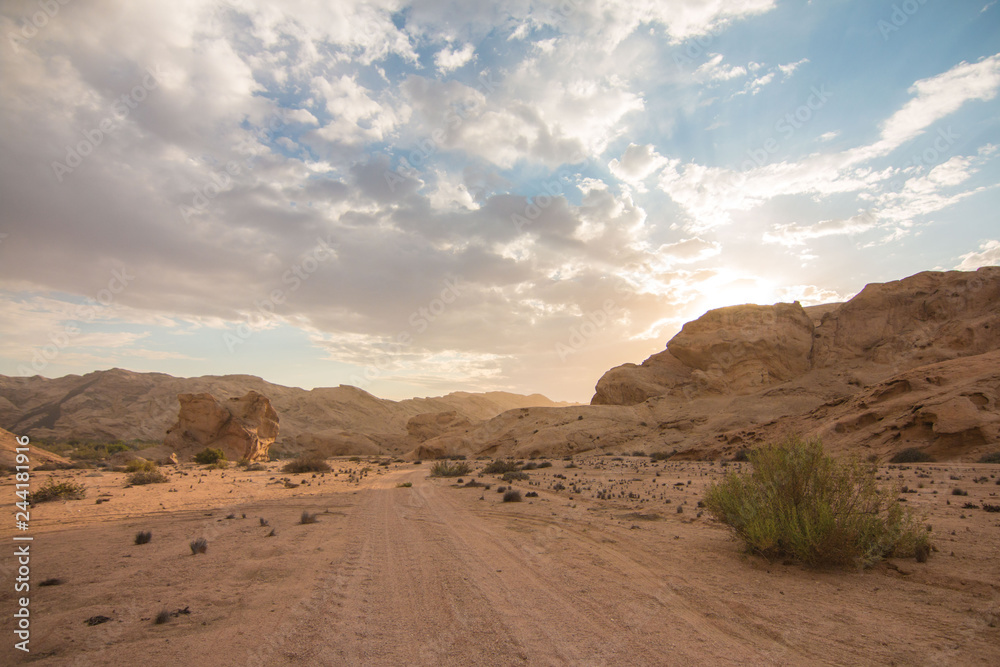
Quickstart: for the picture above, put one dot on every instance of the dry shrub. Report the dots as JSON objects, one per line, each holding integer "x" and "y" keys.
{"x": 796, "y": 502}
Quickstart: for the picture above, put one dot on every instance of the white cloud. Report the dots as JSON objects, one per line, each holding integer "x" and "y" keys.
{"x": 987, "y": 255}
{"x": 637, "y": 163}
{"x": 789, "y": 69}
{"x": 448, "y": 60}
{"x": 938, "y": 96}
{"x": 714, "y": 70}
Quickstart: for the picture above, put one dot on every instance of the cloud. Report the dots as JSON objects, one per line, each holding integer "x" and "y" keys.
{"x": 988, "y": 255}
{"x": 793, "y": 234}
{"x": 714, "y": 70}
{"x": 448, "y": 60}
{"x": 938, "y": 96}
{"x": 637, "y": 163}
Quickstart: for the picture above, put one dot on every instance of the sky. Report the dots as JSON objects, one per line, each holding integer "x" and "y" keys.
{"x": 423, "y": 197}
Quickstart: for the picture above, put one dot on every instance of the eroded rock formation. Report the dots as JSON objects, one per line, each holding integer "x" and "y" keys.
{"x": 244, "y": 428}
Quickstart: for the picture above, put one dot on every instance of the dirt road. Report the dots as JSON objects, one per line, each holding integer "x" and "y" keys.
{"x": 439, "y": 574}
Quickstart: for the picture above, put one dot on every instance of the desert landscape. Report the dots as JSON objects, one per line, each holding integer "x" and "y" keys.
{"x": 619, "y": 567}
{"x": 549, "y": 534}
{"x": 549, "y": 332}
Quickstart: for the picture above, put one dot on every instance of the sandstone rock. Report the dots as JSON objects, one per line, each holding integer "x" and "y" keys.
{"x": 431, "y": 425}
{"x": 742, "y": 348}
{"x": 171, "y": 460}
{"x": 631, "y": 384}
{"x": 244, "y": 428}
{"x": 36, "y": 456}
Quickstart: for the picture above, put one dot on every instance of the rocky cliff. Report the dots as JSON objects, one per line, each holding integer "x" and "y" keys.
{"x": 244, "y": 428}
{"x": 909, "y": 363}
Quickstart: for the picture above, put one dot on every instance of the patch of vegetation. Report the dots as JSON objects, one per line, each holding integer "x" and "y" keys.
{"x": 501, "y": 466}
{"x": 162, "y": 617}
{"x": 143, "y": 537}
{"x": 209, "y": 455}
{"x": 147, "y": 477}
{"x": 741, "y": 456}
{"x": 199, "y": 546}
{"x": 446, "y": 469}
{"x": 404, "y": 485}
{"x": 959, "y": 492}
{"x": 98, "y": 451}
{"x": 512, "y": 496}
{"x": 140, "y": 465}
{"x": 993, "y": 457}
{"x": 307, "y": 463}
{"x": 54, "y": 581}
{"x": 53, "y": 490}
{"x": 516, "y": 476}
{"x": 307, "y": 518}
{"x": 796, "y": 502}
{"x": 911, "y": 455}
{"x": 659, "y": 456}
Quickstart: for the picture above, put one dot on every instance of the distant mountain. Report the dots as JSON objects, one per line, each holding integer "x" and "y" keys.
{"x": 122, "y": 405}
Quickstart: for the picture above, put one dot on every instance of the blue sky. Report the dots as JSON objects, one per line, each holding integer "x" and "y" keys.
{"x": 417, "y": 198}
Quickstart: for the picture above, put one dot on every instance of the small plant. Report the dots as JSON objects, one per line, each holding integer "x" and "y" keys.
{"x": 221, "y": 464}
{"x": 143, "y": 537}
{"x": 54, "y": 581}
{"x": 209, "y": 456}
{"x": 796, "y": 502}
{"x": 959, "y": 492}
{"x": 307, "y": 518}
{"x": 162, "y": 617}
{"x": 199, "y": 546}
{"x": 658, "y": 456}
{"x": 446, "y": 469}
{"x": 404, "y": 485}
{"x": 53, "y": 490}
{"x": 307, "y": 463}
{"x": 545, "y": 464}
{"x": 531, "y": 494}
{"x": 264, "y": 522}
{"x": 147, "y": 477}
{"x": 516, "y": 476}
{"x": 741, "y": 456}
{"x": 140, "y": 465}
{"x": 512, "y": 496}
{"x": 993, "y": 457}
{"x": 501, "y": 466}
{"x": 911, "y": 455}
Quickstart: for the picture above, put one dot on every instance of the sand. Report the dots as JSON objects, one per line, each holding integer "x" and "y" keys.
{"x": 439, "y": 574}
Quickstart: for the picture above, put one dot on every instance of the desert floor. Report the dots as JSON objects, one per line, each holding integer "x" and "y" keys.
{"x": 440, "y": 574}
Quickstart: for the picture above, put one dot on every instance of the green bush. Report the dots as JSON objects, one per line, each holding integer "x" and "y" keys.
{"x": 209, "y": 455}
{"x": 404, "y": 485}
{"x": 911, "y": 455}
{"x": 501, "y": 466}
{"x": 147, "y": 477}
{"x": 512, "y": 496}
{"x": 446, "y": 469}
{"x": 993, "y": 457}
{"x": 140, "y": 465}
{"x": 515, "y": 476}
{"x": 307, "y": 463}
{"x": 796, "y": 502}
{"x": 53, "y": 490}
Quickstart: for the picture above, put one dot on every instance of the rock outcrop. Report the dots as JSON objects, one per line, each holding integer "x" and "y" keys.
{"x": 36, "y": 456}
{"x": 118, "y": 404}
{"x": 244, "y": 428}
{"x": 911, "y": 363}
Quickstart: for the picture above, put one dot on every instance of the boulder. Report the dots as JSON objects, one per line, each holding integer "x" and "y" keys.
{"x": 743, "y": 348}
{"x": 244, "y": 428}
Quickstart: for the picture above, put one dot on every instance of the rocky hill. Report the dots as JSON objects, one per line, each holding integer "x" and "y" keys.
{"x": 122, "y": 405}
{"x": 909, "y": 363}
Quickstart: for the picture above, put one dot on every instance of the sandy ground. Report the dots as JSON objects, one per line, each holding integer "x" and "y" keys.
{"x": 438, "y": 574}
